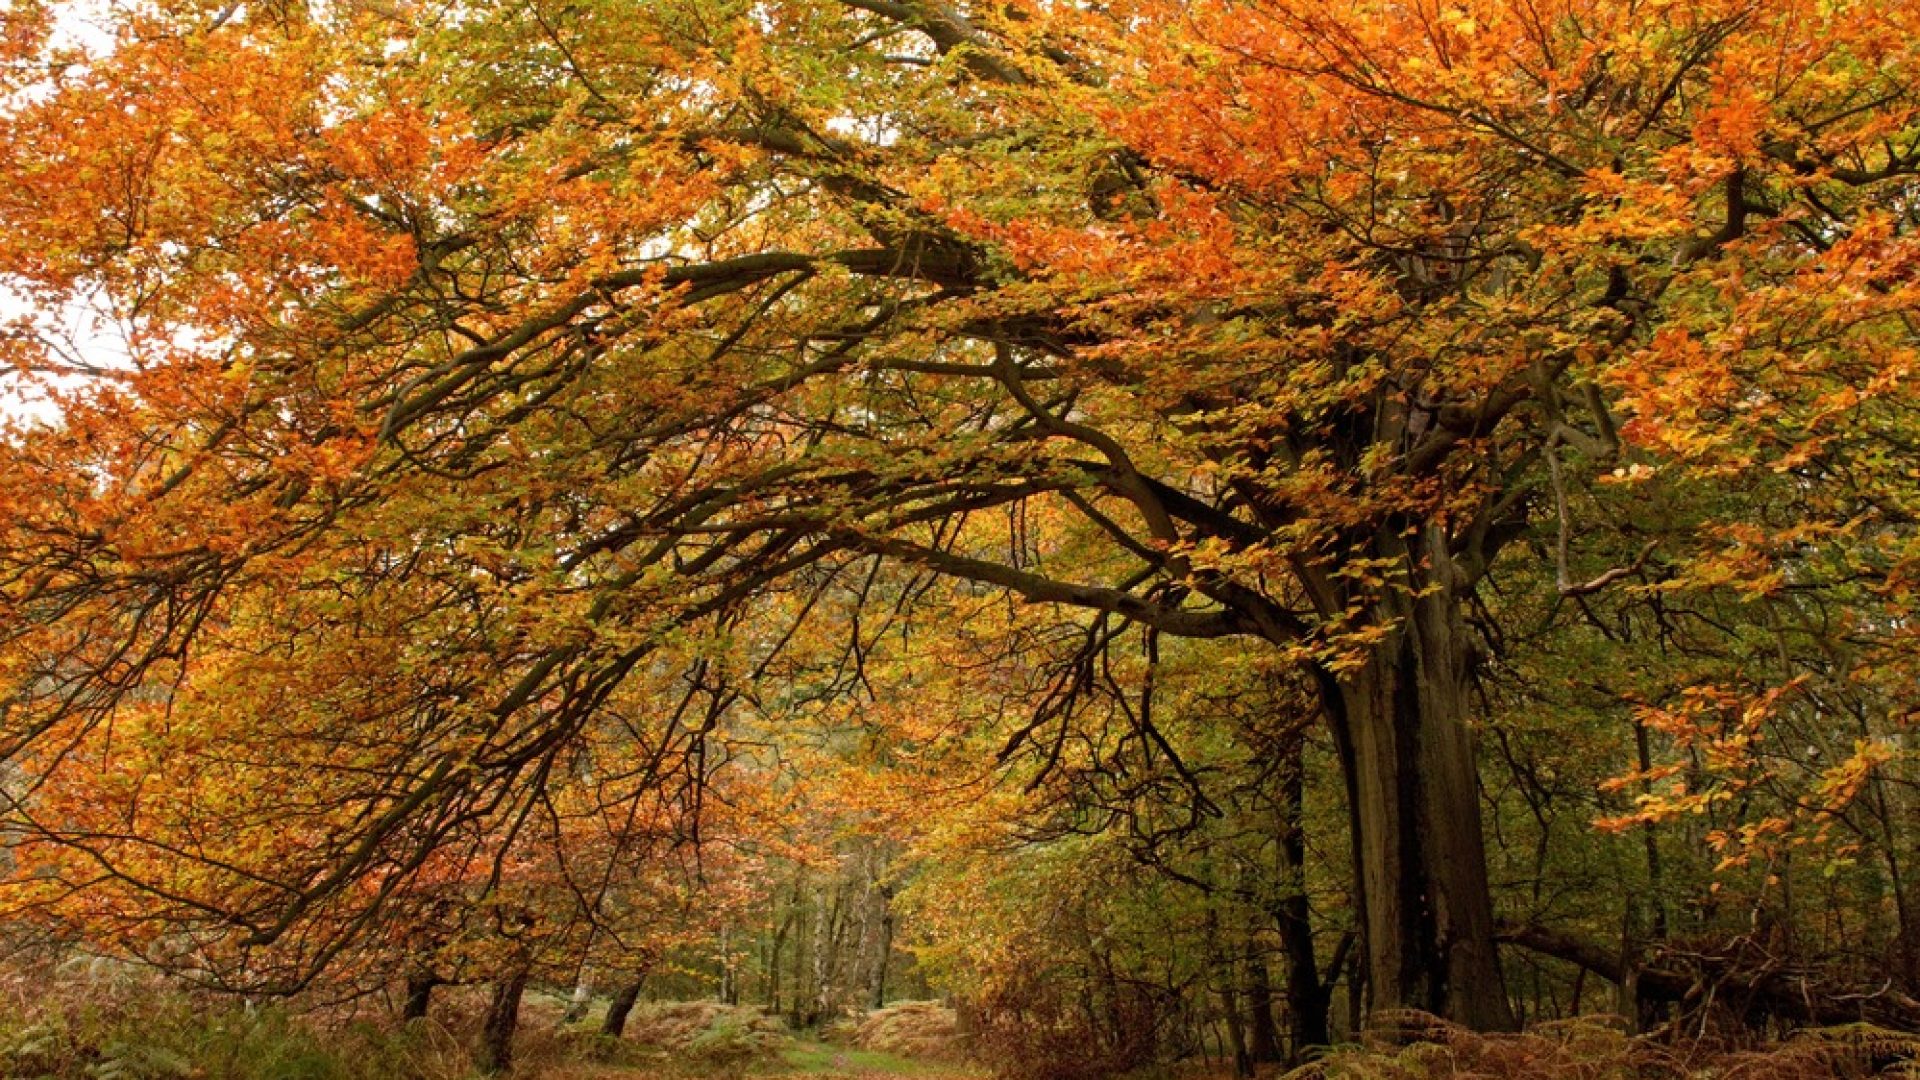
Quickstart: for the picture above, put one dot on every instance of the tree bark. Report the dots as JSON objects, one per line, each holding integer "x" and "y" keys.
{"x": 419, "y": 997}
{"x": 779, "y": 946}
{"x": 729, "y": 985}
{"x": 1755, "y": 989}
{"x": 503, "y": 1018}
{"x": 581, "y": 999}
{"x": 1229, "y": 997}
{"x": 1263, "y": 1037}
{"x": 1400, "y": 720}
{"x": 1308, "y": 999}
{"x": 885, "y": 947}
{"x": 621, "y": 1007}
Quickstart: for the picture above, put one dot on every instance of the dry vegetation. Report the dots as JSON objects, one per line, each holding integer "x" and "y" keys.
{"x": 916, "y": 1029}
{"x": 679, "y": 1025}
{"x": 98, "y": 1021}
{"x": 1413, "y": 1046}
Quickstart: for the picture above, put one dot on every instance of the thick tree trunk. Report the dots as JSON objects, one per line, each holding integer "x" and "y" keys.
{"x": 621, "y": 1007}
{"x": 1400, "y": 719}
{"x": 503, "y": 1019}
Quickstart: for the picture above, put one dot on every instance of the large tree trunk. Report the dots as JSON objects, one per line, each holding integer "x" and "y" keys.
{"x": 1400, "y": 719}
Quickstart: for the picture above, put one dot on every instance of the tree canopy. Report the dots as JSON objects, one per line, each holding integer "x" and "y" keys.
{"x": 1384, "y": 468}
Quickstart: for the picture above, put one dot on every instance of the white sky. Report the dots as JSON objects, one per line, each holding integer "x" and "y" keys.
{"x": 79, "y": 332}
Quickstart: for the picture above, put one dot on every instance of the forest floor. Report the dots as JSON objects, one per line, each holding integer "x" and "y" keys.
{"x": 827, "y": 1059}
{"x": 705, "y": 1040}
{"x": 803, "y": 1059}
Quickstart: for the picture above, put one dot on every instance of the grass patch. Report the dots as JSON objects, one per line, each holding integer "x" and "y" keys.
{"x": 829, "y": 1059}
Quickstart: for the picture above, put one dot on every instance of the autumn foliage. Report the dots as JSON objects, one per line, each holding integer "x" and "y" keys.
{"x": 1202, "y": 512}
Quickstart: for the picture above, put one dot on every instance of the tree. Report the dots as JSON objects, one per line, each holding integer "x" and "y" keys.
{"x": 1285, "y": 321}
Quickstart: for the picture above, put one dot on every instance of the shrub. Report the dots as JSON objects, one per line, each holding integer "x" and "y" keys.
{"x": 1033, "y": 1028}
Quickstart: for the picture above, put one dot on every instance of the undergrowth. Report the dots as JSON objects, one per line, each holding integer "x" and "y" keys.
{"x": 96, "y": 1022}
{"x": 1415, "y": 1046}
{"x": 101, "y": 1022}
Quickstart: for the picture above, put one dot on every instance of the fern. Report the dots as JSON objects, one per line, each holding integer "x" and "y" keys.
{"x": 1415, "y": 1046}
{"x": 121, "y": 1060}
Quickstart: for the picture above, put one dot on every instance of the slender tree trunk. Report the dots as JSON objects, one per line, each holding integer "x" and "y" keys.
{"x": 1656, "y": 884}
{"x": 1308, "y": 1000}
{"x": 800, "y": 992}
{"x": 1112, "y": 1026}
{"x": 621, "y": 1007}
{"x": 885, "y": 947}
{"x": 826, "y": 943}
{"x": 581, "y": 999}
{"x": 1906, "y": 935}
{"x": 1401, "y": 719}
{"x": 860, "y": 932}
{"x": 1229, "y": 997}
{"x": 1263, "y": 1037}
{"x": 419, "y": 997}
{"x": 1356, "y": 995}
{"x": 774, "y": 952}
{"x": 503, "y": 1019}
{"x": 1309, "y": 1005}
{"x": 1236, "y": 1030}
{"x": 1906, "y": 938}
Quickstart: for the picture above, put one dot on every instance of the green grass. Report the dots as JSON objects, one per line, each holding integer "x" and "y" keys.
{"x": 826, "y": 1059}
